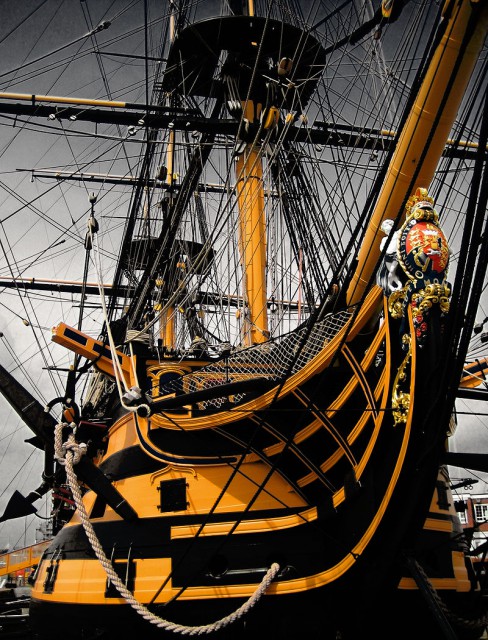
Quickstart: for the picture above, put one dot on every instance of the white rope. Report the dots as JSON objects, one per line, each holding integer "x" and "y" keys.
{"x": 119, "y": 376}
{"x": 122, "y": 387}
{"x": 133, "y": 367}
{"x": 69, "y": 453}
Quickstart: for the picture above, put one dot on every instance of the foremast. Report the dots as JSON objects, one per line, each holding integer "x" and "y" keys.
{"x": 252, "y": 236}
{"x": 167, "y": 328}
{"x": 252, "y": 226}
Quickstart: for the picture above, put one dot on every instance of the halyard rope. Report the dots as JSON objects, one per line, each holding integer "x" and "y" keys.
{"x": 68, "y": 454}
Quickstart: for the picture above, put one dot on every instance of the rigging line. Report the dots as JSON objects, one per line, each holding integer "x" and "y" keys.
{"x": 304, "y": 188}
{"x": 26, "y": 479}
{"x": 122, "y": 11}
{"x": 25, "y": 57}
{"x": 183, "y": 284}
{"x": 30, "y": 202}
{"x": 453, "y": 193}
{"x": 304, "y": 21}
{"x": 212, "y": 271}
{"x": 377, "y": 55}
{"x": 82, "y": 38}
{"x": 74, "y": 158}
{"x": 68, "y": 133}
{"x": 77, "y": 357}
{"x": 19, "y": 365}
{"x": 37, "y": 211}
{"x": 61, "y": 64}
{"x": 24, "y": 320}
{"x": 8, "y": 435}
{"x": 339, "y": 181}
{"x": 172, "y": 221}
{"x": 118, "y": 373}
{"x": 32, "y": 523}
{"x": 22, "y": 21}
{"x": 297, "y": 228}
{"x": 369, "y": 204}
{"x": 21, "y": 468}
{"x": 19, "y": 291}
{"x": 345, "y": 170}
{"x": 115, "y": 40}
{"x": 351, "y": 54}
{"x": 65, "y": 231}
{"x": 315, "y": 208}
{"x": 319, "y": 219}
{"x": 129, "y": 55}
{"x": 36, "y": 257}
{"x": 330, "y": 15}
{"x": 106, "y": 85}
{"x": 93, "y": 32}
{"x": 146, "y": 52}
{"x": 475, "y": 264}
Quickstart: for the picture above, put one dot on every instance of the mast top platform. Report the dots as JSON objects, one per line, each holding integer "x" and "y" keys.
{"x": 196, "y": 53}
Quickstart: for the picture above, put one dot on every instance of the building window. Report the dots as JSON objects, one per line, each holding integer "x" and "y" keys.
{"x": 463, "y": 517}
{"x": 481, "y": 512}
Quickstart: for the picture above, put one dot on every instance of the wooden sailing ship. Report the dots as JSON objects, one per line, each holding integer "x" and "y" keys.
{"x": 259, "y": 458}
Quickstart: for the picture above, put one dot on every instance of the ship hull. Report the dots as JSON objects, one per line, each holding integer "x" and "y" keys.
{"x": 341, "y": 529}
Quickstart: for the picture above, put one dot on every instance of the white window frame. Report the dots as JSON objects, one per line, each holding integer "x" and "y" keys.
{"x": 481, "y": 512}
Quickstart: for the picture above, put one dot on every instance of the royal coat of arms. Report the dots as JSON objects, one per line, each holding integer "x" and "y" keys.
{"x": 423, "y": 253}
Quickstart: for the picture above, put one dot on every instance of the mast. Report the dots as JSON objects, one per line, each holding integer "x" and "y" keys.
{"x": 426, "y": 130}
{"x": 252, "y": 226}
{"x": 167, "y": 323}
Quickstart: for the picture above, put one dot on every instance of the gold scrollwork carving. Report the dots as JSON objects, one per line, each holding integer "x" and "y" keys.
{"x": 396, "y": 302}
{"x": 433, "y": 293}
{"x": 400, "y": 400}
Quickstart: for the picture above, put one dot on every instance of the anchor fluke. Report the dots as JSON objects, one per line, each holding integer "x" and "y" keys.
{"x": 19, "y": 506}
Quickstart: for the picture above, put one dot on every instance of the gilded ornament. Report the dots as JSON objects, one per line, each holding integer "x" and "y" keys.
{"x": 400, "y": 400}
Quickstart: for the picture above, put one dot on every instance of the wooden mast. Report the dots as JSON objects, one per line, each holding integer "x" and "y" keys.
{"x": 420, "y": 146}
{"x": 252, "y": 229}
{"x": 167, "y": 330}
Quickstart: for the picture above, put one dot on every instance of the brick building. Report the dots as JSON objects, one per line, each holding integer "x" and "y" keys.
{"x": 472, "y": 509}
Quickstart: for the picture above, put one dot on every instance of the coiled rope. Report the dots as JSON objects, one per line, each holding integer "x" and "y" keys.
{"x": 68, "y": 454}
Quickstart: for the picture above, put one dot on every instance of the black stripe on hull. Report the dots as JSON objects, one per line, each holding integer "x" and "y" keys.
{"x": 284, "y": 617}
{"x": 268, "y": 619}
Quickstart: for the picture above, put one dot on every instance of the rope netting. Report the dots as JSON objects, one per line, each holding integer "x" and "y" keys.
{"x": 270, "y": 360}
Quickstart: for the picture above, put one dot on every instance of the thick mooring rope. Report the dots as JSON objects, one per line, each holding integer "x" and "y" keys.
{"x": 458, "y": 621}
{"x": 68, "y": 454}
